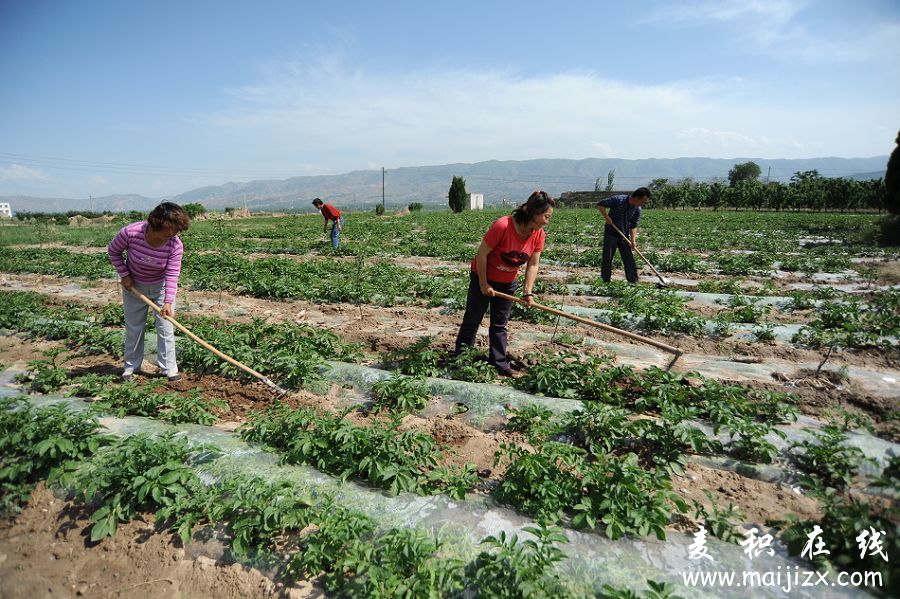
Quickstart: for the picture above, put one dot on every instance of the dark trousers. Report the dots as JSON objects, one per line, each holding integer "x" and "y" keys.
{"x": 476, "y": 305}
{"x": 612, "y": 241}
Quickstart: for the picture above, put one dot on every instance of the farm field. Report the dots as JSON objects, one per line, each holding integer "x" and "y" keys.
{"x": 393, "y": 465}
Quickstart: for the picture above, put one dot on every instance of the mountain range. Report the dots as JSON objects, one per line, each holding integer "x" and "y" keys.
{"x": 499, "y": 181}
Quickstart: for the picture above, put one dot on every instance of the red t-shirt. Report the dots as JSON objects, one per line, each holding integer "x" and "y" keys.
{"x": 510, "y": 251}
{"x": 330, "y": 212}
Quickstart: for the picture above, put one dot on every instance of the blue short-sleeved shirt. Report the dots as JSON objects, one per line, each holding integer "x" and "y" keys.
{"x": 621, "y": 213}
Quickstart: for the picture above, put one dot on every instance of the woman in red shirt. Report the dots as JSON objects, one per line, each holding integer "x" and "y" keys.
{"x": 510, "y": 242}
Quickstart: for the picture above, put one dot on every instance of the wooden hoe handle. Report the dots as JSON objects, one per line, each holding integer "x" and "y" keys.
{"x": 203, "y": 343}
{"x": 594, "y": 323}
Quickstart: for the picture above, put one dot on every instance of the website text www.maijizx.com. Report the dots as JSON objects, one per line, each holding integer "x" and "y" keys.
{"x": 786, "y": 579}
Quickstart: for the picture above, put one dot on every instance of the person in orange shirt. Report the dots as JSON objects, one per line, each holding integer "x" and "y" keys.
{"x": 331, "y": 214}
{"x": 510, "y": 242}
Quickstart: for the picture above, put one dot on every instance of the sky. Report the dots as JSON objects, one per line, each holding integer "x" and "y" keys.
{"x": 106, "y": 97}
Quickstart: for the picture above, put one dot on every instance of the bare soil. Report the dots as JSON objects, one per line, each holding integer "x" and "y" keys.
{"x": 47, "y": 552}
{"x": 761, "y": 502}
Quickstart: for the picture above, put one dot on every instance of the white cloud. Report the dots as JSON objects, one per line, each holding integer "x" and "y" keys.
{"x": 776, "y": 29}
{"x": 880, "y": 43}
{"x": 332, "y": 118}
{"x": 603, "y": 150}
{"x": 775, "y": 12}
{"x": 17, "y": 172}
{"x": 98, "y": 180}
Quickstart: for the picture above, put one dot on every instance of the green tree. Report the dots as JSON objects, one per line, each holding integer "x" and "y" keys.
{"x": 745, "y": 171}
{"x": 610, "y": 177}
{"x": 778, "y": 196}
{"x": 194, "y": 210}
{"x": 808, "y": 187}
{"x": 716, "y": 195}
{"x": 458, "y": 196}
{"x": 682, "y": 193}
{"x": 658, "y": 184}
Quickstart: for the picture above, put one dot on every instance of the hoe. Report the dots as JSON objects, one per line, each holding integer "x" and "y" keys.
{"x": 203, "y": 343}
{"x": 664, "y": 346}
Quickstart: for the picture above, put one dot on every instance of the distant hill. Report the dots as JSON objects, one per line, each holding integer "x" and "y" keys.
{"x": 497, "y": 180}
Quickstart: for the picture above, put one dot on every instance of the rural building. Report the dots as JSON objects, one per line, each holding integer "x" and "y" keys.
{"x": 476, "y": 201}
{"x": 5, "y": 210}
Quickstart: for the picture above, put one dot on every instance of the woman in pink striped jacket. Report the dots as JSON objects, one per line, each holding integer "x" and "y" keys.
{"x": 147, "y": 256}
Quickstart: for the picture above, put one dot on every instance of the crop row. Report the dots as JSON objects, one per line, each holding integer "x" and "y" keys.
{"x": 292, "y": 352}
{"x": 758, "y": 263}
{"x": 851, "y": 322}
{"x": 312, "y": 280}
{"x": 455, "y": 236}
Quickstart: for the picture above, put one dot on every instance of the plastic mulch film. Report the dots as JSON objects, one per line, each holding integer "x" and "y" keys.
{"x": 845, "y": 287}
{"x": 722, "y": 299}
{"x": 876, "y": 449}
{"x": 484, "y": 405}
{"x": 592, "y": 559}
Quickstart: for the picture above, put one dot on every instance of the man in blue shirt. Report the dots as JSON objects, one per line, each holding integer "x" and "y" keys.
{"x": 624, "y": 213}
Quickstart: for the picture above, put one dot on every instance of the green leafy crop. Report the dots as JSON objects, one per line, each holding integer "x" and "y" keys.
{"x": 401, "y": 394}
{"x": 137, "y": 474}
{"x": 38, "y": 444}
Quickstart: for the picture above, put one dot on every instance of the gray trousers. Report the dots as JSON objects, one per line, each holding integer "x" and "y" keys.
{"x": 135, "y": 323}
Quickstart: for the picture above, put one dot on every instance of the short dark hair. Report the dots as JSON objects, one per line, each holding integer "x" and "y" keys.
{"x": 536, "y": 204}
{"x": 641, "y": 192}
{"x": 317, "y": 202}
{"x": 169, "y": 213}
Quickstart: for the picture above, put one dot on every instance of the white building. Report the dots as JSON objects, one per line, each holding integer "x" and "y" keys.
{"x": 5, "y": 210}
{"x": 476, "y": 201}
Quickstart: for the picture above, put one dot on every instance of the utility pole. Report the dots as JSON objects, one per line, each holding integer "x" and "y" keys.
{"x": 91, "y": 196}
{"x": 768, "y": 172}
{"x": 382, "y": 187}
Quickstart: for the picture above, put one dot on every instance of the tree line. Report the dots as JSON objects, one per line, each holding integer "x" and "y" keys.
{"x": 807, "y": 190}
